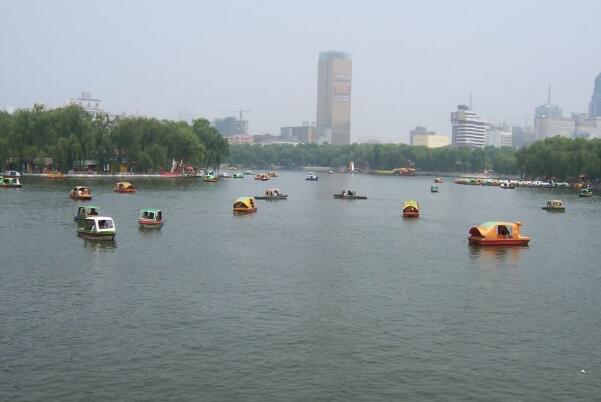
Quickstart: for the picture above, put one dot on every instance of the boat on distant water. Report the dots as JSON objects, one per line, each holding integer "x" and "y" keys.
{"x": 272, "y": 194}
{"x": 209, "y": 178}
{"x": 238, "y": 176}
{"x": 124, "y": 187}
{"x": 437, "y": 180}
{"x": 262, "y": 177}
{"x": 150, "y": 218}
{"x": 98, "y": 228}
{"x": 434, "y": 189}
{"x": 349, "y": 195}
{"x": 272, "y": 174}
{"x": 81, "y": 193}
{"x": 506, "y": 185}
{"x": 244, "y": 205}
{"x": 84, "y": 212}
{"x": 311, "y": 177}
{"x": 248, "y": 172}
{"x": 225, "y": 175}
{"x": 555, "y": 206}
{"x": 585, "y": 192}
{"x": 10, "y": 182}
{"x": 411, "y": 209}
{"x": 55, "y": 175}
{"x": 498, "y": 234}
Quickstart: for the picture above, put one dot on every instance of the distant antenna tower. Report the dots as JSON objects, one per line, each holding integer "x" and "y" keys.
{"x": 470, "y": 100}
{"x": 549, "y": 93}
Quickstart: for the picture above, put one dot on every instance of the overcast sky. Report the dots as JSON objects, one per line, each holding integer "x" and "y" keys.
{"x": 413, "y": 61}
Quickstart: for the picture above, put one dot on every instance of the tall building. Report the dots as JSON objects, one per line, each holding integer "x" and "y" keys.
{"x": 549, "y": 122}
{"x": 498, "y": 136}
{"x": 334, "y": 73}
{"x": 469, "y": 129}
{"x": 231, "y": 126}
{"x": 89, "y": 104}
{"x": 595, "y": 105}
{"x": 307, "y": 134}
{"x": 522, "y": 136}
{"x": 586, "y": 126}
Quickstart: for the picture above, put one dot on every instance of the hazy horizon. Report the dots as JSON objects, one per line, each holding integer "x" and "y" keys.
{"x": 412, "y": 63}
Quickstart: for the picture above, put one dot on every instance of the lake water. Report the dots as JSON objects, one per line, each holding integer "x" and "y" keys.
{"x": 309, "y": 299}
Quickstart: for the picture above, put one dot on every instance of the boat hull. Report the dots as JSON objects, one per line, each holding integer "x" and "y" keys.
{"x": 11, "y": 185}
{"x": 497, "y": 242}
{"x": 271, "y": 198}
{"x": 97, "y": 236}
{"x": 350, "y": 197}
{"x": 554, "y": 209}
{"x": 239, "y": 211}
{"x": 410, "y": 214}
{"x": 142, "y": 224}
{"x": 124, "y": 191}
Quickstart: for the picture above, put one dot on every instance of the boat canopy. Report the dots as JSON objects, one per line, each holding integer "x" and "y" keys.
{"x": 244, "y": 202}
{"x": 492, "y": 229}
{"x": 411, "y": 204}
{"x": 555, "y": 203}
{"x": 124, "y": 184}
{"x": 99, "y": 223}
{"x": 88, "y": 210}
{"x": 151, "y": 213}
{"x": 272, "y": 191}
{"x": 80, "y": 188}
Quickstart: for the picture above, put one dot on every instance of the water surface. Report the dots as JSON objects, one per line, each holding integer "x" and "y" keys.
{"x": 308, "y": 299}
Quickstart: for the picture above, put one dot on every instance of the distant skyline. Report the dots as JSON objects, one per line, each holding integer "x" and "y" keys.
{"x": 413, "y": 63}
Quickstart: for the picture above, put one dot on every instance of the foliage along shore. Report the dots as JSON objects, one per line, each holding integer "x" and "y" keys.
{"x": 68, "y": 135}
{"x": 557, "y": 157}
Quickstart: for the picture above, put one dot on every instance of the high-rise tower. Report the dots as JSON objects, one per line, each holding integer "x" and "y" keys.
{"x": 595, "y": 105}
{"x": 334, "y": 73}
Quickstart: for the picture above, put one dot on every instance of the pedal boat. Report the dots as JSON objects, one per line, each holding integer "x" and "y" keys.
{"x": 498, "y": 234}
{"x": 245, "y": 205}
{"x": 85, "y": 212}
{"x": 101, "y": 228}
{"x": 555, "y": 206}
{"x": 151, "y": 219}
{"x": 585, "y": 192}
{"x": 411, "y": 209}
{"x": 312, "y": 177}
{"x": 10, "y": 182}
{"x": 81, "y": 193}
{"x": 262, "y": 177}
{"x": 210, "y": 179}
{"x": 349, "y": 195}
{"x": 272, "y": 194}
{"x": 238, "y": 176}
{"x": 124, "y": 187}
{"x": 437, "y": 180}
{"x": 434, "y": 189}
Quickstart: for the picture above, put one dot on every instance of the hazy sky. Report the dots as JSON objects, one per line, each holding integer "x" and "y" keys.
{"x": 413, "y": 61}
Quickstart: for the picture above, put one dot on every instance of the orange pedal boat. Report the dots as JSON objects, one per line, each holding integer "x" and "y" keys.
{"x": 498, "y": 234}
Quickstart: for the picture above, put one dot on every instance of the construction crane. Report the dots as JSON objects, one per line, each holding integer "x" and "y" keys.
{"x": 240, "y": 112}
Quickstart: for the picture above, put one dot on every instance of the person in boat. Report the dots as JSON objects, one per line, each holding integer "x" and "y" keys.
{"x": 93, "y": 211}
{"x": 504, "y": 232}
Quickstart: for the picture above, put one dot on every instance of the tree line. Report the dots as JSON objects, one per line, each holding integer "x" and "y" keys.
{"x": 68, "y": 135}
{"x": 556, "y": 157}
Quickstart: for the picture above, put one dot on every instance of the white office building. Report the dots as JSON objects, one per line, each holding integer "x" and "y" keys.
{"x": 469, "y": 129}
{"x": 499, "y": 136}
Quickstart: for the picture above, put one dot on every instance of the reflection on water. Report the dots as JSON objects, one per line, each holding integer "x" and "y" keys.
{"x": 511, "y": 253}
{"x": 97, "y": 245}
